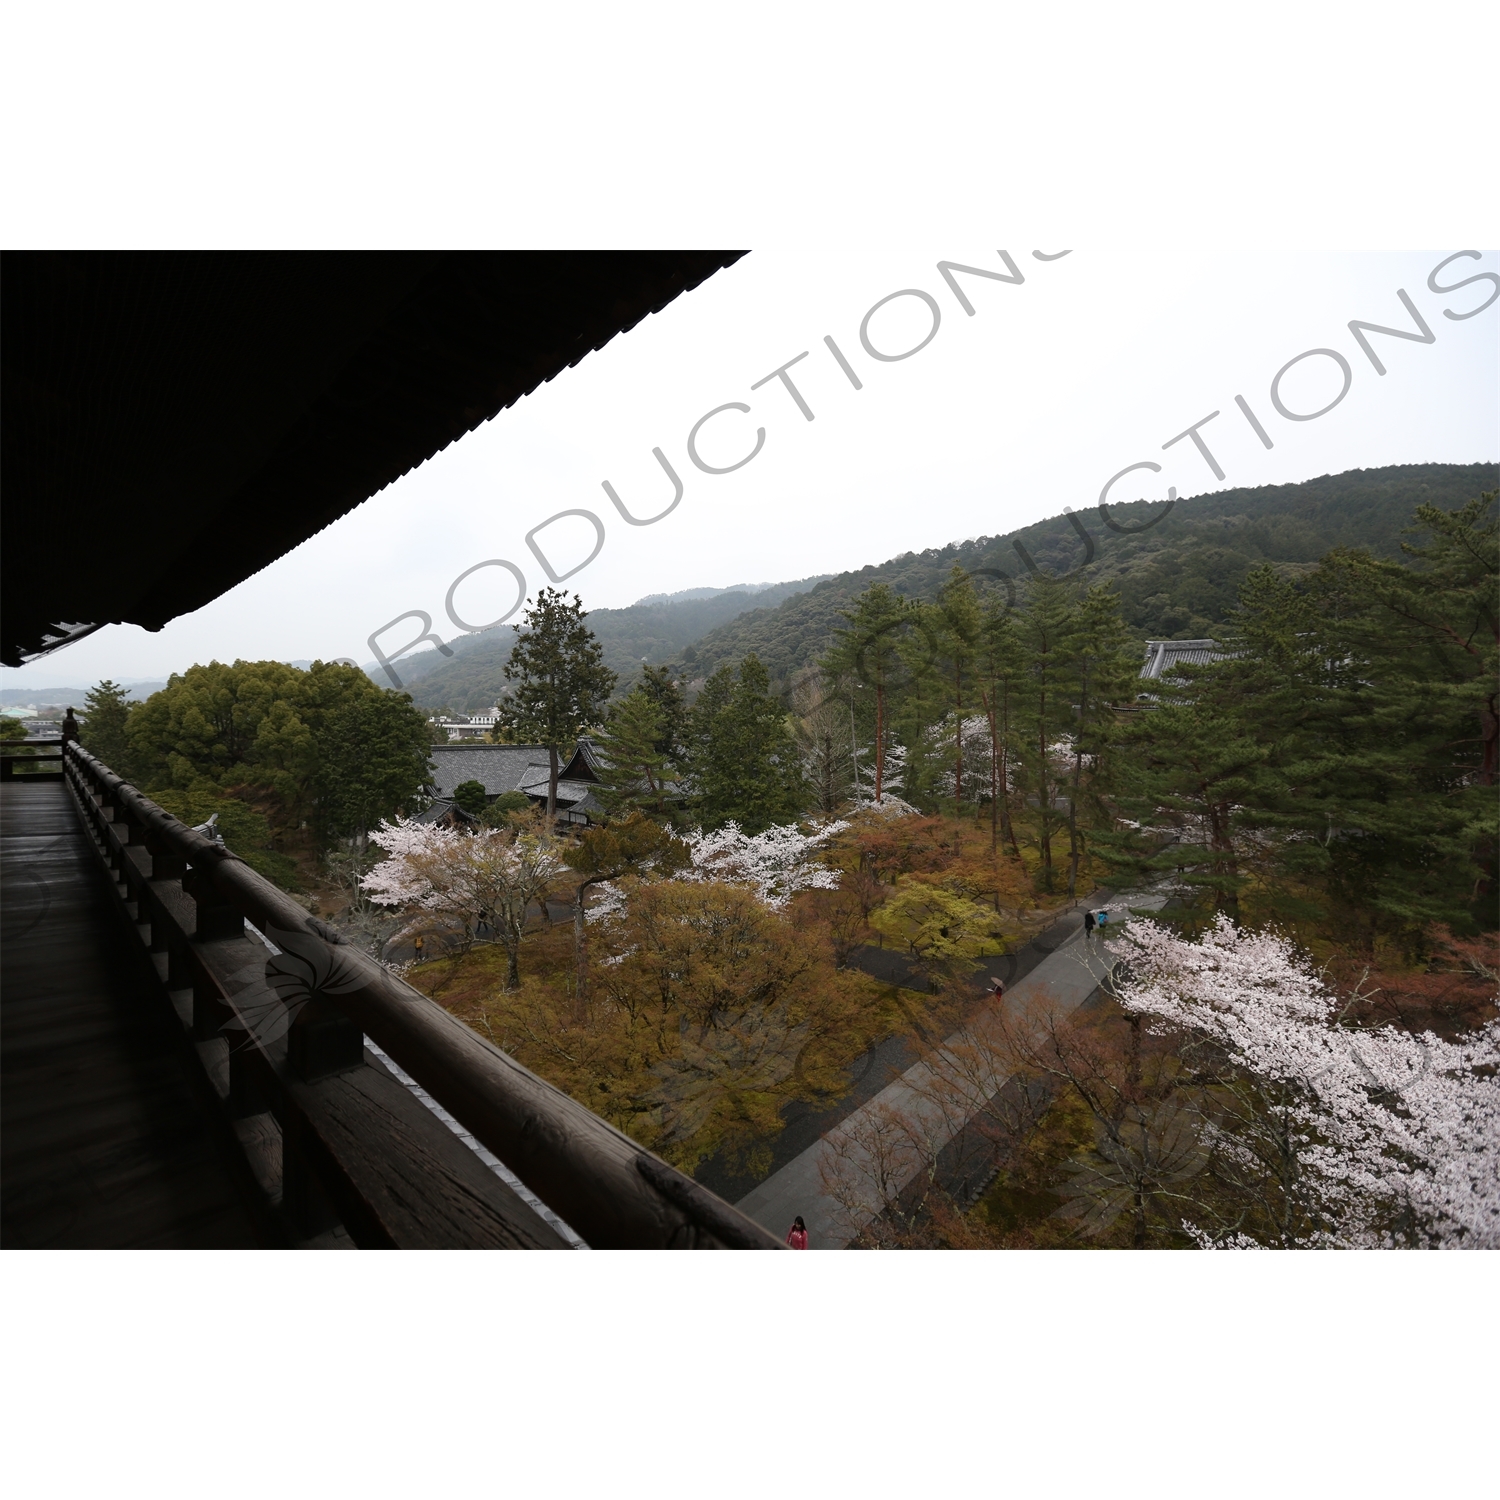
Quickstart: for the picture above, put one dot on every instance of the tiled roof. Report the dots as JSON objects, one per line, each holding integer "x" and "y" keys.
{"x": 499, "y": 768}
{"x": 1162, "y": 656}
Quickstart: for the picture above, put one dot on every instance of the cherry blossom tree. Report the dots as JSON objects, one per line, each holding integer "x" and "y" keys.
{"x": 776, "y": 864}
{"x": 1356, "y": 1136}
{"x": 486, "y": 879}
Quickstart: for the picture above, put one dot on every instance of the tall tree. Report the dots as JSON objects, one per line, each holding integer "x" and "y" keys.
{"x": 868, "y": 654}
{"x": 952, "y": 628}
{"x": 560, "y": 681}
{"x": 998, "y": 666}
{"x": 106, "y": 709}
{"x": 1105, "y": 673}
{"x": 744, "y": 761}
{"x": 1046, "y": 627}
{"x": 658, "y": 684}
{"x": 825, "y": 738}
{"x": 633, "y": 772}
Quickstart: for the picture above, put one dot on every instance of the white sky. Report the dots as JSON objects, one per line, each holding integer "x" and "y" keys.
{"x": 1004, "y": 417}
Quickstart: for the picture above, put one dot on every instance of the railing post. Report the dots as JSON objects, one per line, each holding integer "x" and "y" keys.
{"x": 216, "y": 917}
{"x": 303, "y": 1197}
{"x": 166, "y": 864}
{"x": 322, "y": 1041}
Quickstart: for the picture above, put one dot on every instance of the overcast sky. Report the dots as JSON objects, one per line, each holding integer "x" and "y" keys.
{"x": 1005, "y": 416}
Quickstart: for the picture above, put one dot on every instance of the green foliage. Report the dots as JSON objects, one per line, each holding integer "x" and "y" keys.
{"x": 626, "y": 846}
{"x": 11, "y": 732}
{"x": 328, "y": 746}
{"x": 666, "y": 696}
{"x": 743, "y": 754}
{"x": 471, "y": 796}
{"x": 106, "y": 711}
{"x": 634, "y": 772}
{"x": 1345, "y": 755}
{"x": 371, "y": 748}
{"x": 938, "y": 926}
{"x": 245, "y": 832}
{"x": 867, "y": 656}
{"x": 506, "y": 806}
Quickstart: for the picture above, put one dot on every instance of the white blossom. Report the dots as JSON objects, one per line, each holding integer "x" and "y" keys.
{"x": 892, "y": 774}
{"x": 487, "y": 878}
{"x": 1397, "y": 1136}
{"x": 778, "y": 862}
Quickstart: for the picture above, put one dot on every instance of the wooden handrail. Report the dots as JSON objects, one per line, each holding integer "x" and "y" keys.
{"x": 611, "y": 1190}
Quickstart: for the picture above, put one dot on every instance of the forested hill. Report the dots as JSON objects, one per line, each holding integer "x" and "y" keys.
{"x": 1177, "y": 580}
{"x": 655, "y": 628}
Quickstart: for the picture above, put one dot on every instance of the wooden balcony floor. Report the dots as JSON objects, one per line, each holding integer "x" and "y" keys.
{"x": 102, "y": 1141}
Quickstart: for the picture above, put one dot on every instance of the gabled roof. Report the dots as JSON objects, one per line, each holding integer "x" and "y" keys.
{"x": 498, "y": 768}
{"x": 584, "y": 764}
{"x": 1162, "y": 656}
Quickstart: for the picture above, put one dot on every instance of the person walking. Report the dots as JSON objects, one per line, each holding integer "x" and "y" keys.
{"x": 997, "y": 987}
{"x": 796, "y": 1236}
{"x": 1089, "y": 922}
{"x": 1103, "y": 921}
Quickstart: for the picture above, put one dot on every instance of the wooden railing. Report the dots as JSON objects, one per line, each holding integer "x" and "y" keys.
{"x": 23, "y": 757}
{"x": 334, "y": 1147}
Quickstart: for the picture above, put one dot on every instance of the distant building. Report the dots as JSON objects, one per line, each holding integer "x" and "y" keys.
{"x": 461, "y": 727}
{"x": 517, "y": 768}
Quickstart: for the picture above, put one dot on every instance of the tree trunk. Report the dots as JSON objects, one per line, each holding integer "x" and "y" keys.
{"x": 551, "y": 786}
{"x": 1073, "y": 825}
{"x": 989, "y": 708}
{"x": 1044, "y": 800}
{"x": 879, "y": 739}
{"x": 580, "y": 956}
{"x": 958, "y": 747}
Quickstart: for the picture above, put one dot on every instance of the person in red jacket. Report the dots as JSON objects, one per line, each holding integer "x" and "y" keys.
{"x": 796, "y": 1236}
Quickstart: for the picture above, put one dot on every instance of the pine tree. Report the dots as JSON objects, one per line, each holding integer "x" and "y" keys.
{"x": 952, "y": 628}
{"x": 106, "y": 709}
{"x": 1188, "y": 780}
{"x": 998, "y": 665}
{"x": 1105, "y": 672}
{"x": 744, "y": 756}
{"x": 634, "y": 773}
{"x": 561, "y": 682}
{"x": 1045, "y": 628}
{"x": 868, "y": 655}
{"x": 1396, "y": 744}
{"x": 672, "y": 711}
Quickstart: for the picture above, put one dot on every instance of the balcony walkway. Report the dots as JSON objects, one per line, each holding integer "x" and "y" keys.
{"x": 103, "y": 1144}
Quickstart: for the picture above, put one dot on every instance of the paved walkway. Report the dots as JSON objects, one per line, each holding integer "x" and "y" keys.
{"x": 1070, "y": 975}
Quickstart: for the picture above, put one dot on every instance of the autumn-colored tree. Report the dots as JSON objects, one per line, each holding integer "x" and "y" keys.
{"x": 626, "y": 846}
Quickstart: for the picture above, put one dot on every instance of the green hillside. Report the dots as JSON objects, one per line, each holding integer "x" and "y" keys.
{"x": 472, "y": 678}
{"x": 1177, "y": 580}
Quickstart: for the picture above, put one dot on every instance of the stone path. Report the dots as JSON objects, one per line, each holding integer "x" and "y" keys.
{"x": 1071, "y": 975}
